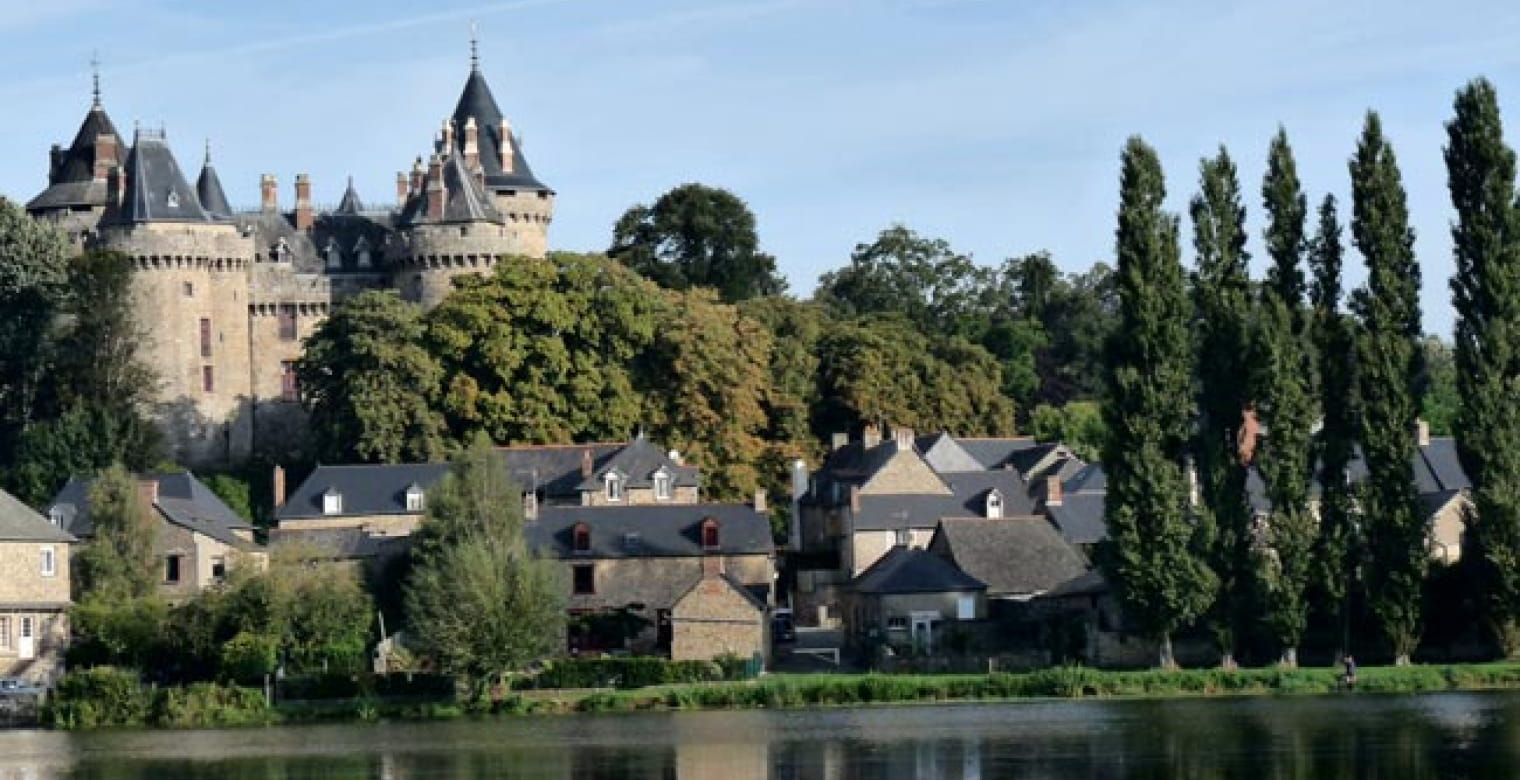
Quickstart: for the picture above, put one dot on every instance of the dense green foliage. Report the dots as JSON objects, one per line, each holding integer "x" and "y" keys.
{"x": 1390, "y": 371}
{"x": 478, "y": 601}
{"x": 1486, "y": 293}
{"x": 631, "y": 673}
{"x": 1149, "y": 556}
{"x": 697, "y": 236}
{"x": 1221, "y": 288}
{"x": 119, "y": 563}
{"x": 1078, "y": 425}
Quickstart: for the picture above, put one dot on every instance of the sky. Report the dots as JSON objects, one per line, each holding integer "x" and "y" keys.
{"x": 994, "y": 124}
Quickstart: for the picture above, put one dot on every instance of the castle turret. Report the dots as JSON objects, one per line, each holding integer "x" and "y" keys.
{"x": 208, "y": 187}
{"x": 78, "y": 177}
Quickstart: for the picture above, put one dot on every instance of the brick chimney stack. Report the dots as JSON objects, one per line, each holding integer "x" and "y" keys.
{"x": 903, "y": 437}
{"x": 278, "y": 483}
{"x": 403, "y": 188}
{"x": 1053, "y": 495}
{"x": 839, "y": 439}
{"x": 436, "y": 193}
{"x": 508, "y": 157}
{"x": 147, "y": 494}
{"x": 448, "y": 136}
{"x": 854, "y": 498}
{"x": 106, "y": 155}
{"x": 471, "y": 145}
{"x": 269, "y": 196}
{"x": 760, "y": 503}
{"x": 712, "y": 565}
{"x": 1422, "y": 433}
{"x": 871, "y": 436}
{"x": 418, "y": 175}
{"x": 587, "y": 467}
{"x": 304, "y": 217}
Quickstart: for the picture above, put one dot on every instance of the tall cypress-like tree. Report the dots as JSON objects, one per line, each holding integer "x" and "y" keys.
{"x": 1222, "y": 315}
{"x": 1486, "y": 293}
{"x": 1336, "y": 550}
{"x": 1390, "y": 367}
{"x": 1285, "y": 406}
{"x": 1148, "y": 556}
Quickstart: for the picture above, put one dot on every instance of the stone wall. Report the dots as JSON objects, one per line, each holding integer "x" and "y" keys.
{"x": 528, "y": 216}
{"x": 21, "y": 577}
{"x": 640, "y": 497}
{"x": 50, "y": 629}
{"x": 714, "y": 619}
{"x": 905, "y": 472}
{"x": 865, "y": 548}
{"x": 429, "y": 258}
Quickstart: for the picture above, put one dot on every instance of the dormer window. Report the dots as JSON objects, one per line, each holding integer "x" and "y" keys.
{"x": 994, "y": 504}
{"x": 581, "y": 538}
{"x": 662, "y": 485}
{"x": 334, "y": 255}
{"x": 173, "y": 200}
{"x": 281, "y": 251}
{"x": 414, "y": 498}
{"x": 614, "y": 486}
{"x": 332, "y": 502}
{"x": 56, "y": 516}
{"x": 361, "y": 249}
{"x": 530, "y": 505}
{"x": 710, "y": 534}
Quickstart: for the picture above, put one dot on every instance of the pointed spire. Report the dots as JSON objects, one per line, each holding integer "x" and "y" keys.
{"x": 207, "y": 162}
{"x": 474, "y": 46}
{"x": 351, "y": 204}
{"x": 208, "y": 188}
{"x": 95, "y": 76}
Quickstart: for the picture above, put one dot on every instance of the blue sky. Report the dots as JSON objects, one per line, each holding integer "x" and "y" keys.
{"x": 995, "y": 124}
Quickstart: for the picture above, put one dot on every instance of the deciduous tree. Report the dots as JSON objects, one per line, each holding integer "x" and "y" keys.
{"x": 697, "y": 236}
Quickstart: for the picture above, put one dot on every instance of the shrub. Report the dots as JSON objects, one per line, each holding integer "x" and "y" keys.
{"x": 247, "y": 657}
{"x": 102, "y": 696}
{"x": 623, "y": 673}
{"x": 206, "y": 705}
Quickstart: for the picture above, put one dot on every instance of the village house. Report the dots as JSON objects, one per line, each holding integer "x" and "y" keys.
{"x": 197, "y": 539}
{"x": 913, "y": 601}
{"x": 34, "y": 594}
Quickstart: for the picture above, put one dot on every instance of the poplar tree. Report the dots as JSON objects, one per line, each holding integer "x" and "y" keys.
{"x": 1333, "y": 335}
{"x": 1285, "y": 406}
{"x": 1389, "y": 374}
{"x": 1486, "y": 293}
{"x": 1222, "y": 312}
{"x": 1148, "y": 556}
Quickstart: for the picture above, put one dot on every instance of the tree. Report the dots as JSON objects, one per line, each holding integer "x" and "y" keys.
{"x": 98, "y": 357}
{"x": 33, "y": 282}
{"x": 1148, "y": 555}
{"x": 1222, "y": 312}
{"x": 1284, "y": 390}
{"x": 1078, "y": 425}
{"x": 543, "y": 351}
{"x": 705, "y": 383}
{"x": 118, "y": 563}
{"x": 697, "y": 236}
{"x": 478, "y": 601}
{"x": 371, "y": 385}
{"x": 934, "y": 287}
{"x": 82, "y": 440}
{"x": 1337, "y": 548}
{"x": 1486, "y": 294}
{"x": 1076, "y": 320}
{"x": 1389, "y": 377}
{"x": 1443, "y": 399}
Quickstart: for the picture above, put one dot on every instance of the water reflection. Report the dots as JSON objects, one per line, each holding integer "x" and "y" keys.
{"x": 1444, "y": 735}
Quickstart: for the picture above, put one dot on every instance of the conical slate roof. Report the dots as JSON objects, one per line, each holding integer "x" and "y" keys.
{"x": 464, "y": 199}
{"x": 208, "y": 188}
{"x": 156, "y": 189}
{"x": 476, "y": 101}
{"x": 71, "y": 182}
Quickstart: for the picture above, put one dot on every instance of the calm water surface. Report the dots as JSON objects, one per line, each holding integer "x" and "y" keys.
{"x": 1363, "y": 735}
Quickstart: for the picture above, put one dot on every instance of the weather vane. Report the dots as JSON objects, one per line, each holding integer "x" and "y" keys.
{"x": 95, "y": 74}
{"x": 474, "y": 45}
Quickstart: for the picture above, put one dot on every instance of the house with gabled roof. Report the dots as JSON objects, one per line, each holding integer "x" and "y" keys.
{"x": 911, "y": 598}
{"x": 34, "y": 593}
{"x": 198, "y": 538}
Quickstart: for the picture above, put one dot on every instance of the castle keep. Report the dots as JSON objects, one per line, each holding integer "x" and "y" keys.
{"x": 226, "y": 297}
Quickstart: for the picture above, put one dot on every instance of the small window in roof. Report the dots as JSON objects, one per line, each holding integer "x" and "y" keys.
{"x": 582, "y": 538}
{"x": 994, "y": 504}
{"x": 56, "y": 516}
{"x": 710, "y": 534}
{"x": 614, "y": 486}
{"x": 662, "y": 485}
{"x": 332, "y": 502}
{"x": 414, "y": 498}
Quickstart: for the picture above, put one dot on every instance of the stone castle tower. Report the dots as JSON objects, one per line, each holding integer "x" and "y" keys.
{"x": 227, "y": 297}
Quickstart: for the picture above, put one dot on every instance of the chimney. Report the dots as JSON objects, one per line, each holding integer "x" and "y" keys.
{"x": 403, "y": 186}
{"x": 303, "y": 202}
{"x": 147, "y": 493}
{"x": 508, "y": 158}
{"x": 840, "y": 439}
{"x": 448, "y": 136}
{"x": 1250, "y": 430}
{"x": 871, "y": 436}
{"x": 279, "y": 486}
{"x": 854, "y": 498}
{"x": 418, "y": 174}
{"x": 903, "y": 437}
{"x": 760, "y": 501}
{"x": 675, "y": 457}
{"x": 530, "y": 505}
{"x": 1422, "y": 433}
{"x": 269, "y": 198}
{"x": 799, "y": 478}
{"x": 712, "y": 565}
{"x": 586, "y": 464}
{"x": 435, "y": 189}
{"x": 471, "y": 144}
{"x": 1053, "y": 495}
{"x": 105, "y": 155}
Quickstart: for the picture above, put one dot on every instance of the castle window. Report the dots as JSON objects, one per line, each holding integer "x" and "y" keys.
{"x": 290, "y": 389}
{"x": 581, "y": 538}
{"x": 189, "y": 289}
{"x": 334, "y": 255}
{"x": 281, "y": 251}
{"x": 287, "y": 320}
{"x": 662, "y": 485}
{"x": 710, "y": 534}
{"x": 208, "y": 379}
{"x": 205, "y": 337}
{"x": 362, "y": 250}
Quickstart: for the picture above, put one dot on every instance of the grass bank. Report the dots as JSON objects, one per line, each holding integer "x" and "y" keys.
{"x": 111, "y": 701}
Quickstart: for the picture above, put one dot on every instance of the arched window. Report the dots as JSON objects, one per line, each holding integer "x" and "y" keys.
{"x": 710, "y": 534}
{"x": 581, "y": 538}
{"x": 994, "y": 504}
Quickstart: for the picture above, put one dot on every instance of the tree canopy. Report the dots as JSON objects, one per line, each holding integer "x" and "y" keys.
{"x": 697, "y": 236}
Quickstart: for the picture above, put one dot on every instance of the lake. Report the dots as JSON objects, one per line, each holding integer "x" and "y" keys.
{"x": 1360, "y": 735}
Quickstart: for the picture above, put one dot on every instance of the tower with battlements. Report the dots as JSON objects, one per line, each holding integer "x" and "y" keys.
{"x": 227, "y": 297}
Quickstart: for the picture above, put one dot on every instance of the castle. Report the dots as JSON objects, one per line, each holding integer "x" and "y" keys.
{"x": 227, "y": 297}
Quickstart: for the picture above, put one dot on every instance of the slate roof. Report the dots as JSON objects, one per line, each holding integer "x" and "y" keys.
{"x": 182, "y": 500}
{"x": 342, "y": 543}
{"x": 1089, "y": 478}
{"x": 651, "y": 531}
{"x": 944, "y": 454}
{"x": 368, "y": 489}
{"x": 1014, "y": 556}
{"x": 968, "y": 498}
{"x": 638, "y": 462}
{"x": 350, "y": 204}
{"x": 21, "y": 523}
{"x": 1079, "y": 517}
{"x": 71, "y": 180}
{"x": 208, "y": 188}
{"x": 305, "y": 249}
{"x": 911, "y": 570}
{"x": 995, "y": 453}
{"x": 464, "y": 199}
{"x": 156, "y": 188}
{"x": 477, "y": 101}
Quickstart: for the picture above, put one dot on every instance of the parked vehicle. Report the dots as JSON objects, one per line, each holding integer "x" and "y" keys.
{"x": 783, "y": 629}
{"x": 11, "y": 686}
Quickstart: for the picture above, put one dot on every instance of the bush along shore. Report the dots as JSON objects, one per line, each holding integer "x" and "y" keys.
{"x": 106, "y": 697}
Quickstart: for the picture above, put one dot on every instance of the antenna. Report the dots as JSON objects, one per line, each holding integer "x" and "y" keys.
{"x": 95, "y": 75}
{"x": 474, "y": 46}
